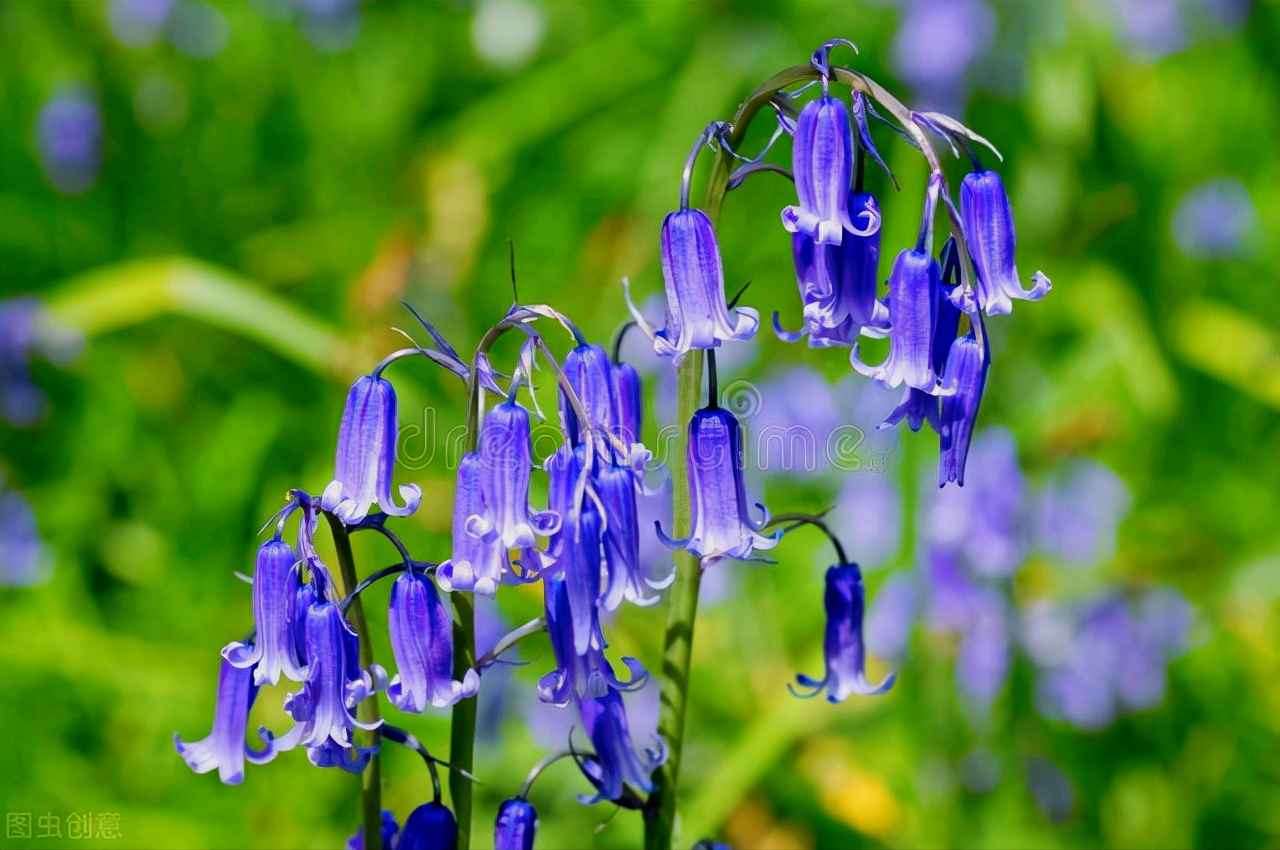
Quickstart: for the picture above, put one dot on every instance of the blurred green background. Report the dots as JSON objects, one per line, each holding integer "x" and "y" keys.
{"x": 227, "y": 202}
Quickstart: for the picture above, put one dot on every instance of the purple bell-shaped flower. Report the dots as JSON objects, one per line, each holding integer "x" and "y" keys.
{"x": 516, "y": 826}
{"x": 505, "y": 467}
{"x": 842, "y": 645}
{"x": 479, "y": 558}
{"x": 822, "y": 162}
{"x": 275, "y": 590}
{"x": 366, "y": 455}
{"x": 605, "y": 721}
{"x": 422, "y": 642}
{"x": 722, "y": 525}
{"x": 698, "y": 315}
{"x": 225, "y": 749}
{"x": 988, "y": 225}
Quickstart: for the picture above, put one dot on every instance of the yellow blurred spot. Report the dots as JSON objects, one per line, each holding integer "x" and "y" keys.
{"x": 850, "y": 793}
{"x": 752, "y": 824}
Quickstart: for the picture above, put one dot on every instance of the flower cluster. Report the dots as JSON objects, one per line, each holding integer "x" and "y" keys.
{"x": 585, "y": 545}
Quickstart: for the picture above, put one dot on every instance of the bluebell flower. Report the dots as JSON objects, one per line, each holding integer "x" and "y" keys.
{"x": 431, "y": 826}
{"x": 516, "y": 826}
{"x": 366, "y": 455}
{"x": 69, "y": 133}
{"x": 838, "y": 283}
{"x": 919, "y": 406}
{"x": 604, "y": 719}
{"x": 722, "y": 524}
{"x": 21, "y": 551}
{"x": 388, "y": 830}
{"x": 966, "y": 377}
{"x": 422, "y": 643}
{"x": 505, "y": 467}
{"x": 578, "y": 674}
{"x": 988, "y": 226}
{"x": 225, "y": 748}
{"x": 575, "y": 548}
{"x": 822, "y": 162}
{"x": 913, "y": 308}
{"x": 324, "y": 708}
{"x": 842, "y": 645}
{"x": 892, "y": 616}
{"x": 275, "y": 591}
{"x": 698, "y": 315}
{"x": 479, "y": 558}
{"x": 627, "y": 579}
{"x": 589, "y": 374}
{"x": 628, "y": 414}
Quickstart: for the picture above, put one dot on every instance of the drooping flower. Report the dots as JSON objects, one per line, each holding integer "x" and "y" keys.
{"x": 275, "y": 591}
{"x": 69, "y": 133}
{"x": 616, "y": 487}
{"x": 431, "y": 826}
{"x": 822, "y": 161}
{"x": 516, "y": 826}
{"x": 605, "y": 721}
{"x": 388, "y": 830}
{"x": 505, "y": 467}
{"x": 589, "y": 374}
{"x": 966, "y": 377}
{"x": 919, "y": 406}
{"x": 366, "y": 455}
{"x": 988, "y": 225}
{"x": 422, "y": 642}
{"x": 698, "y": 315}
{"x": 225, "y": 748}
{"x": 913, "y": 307}
{"x": 722, "y": 525}
{"x": 842, "y": 645}
{"x": 479, "y": 558}
{"x": 334, "y": 685}
{"x": 628, "y": 414}
{"x": 838, "y": 283}
{"x": 578, "y": 674}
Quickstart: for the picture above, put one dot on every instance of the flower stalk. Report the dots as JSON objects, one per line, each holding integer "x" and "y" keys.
{"x": 367, "y": 711}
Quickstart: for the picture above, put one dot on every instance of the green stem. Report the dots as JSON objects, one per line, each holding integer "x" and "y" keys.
{"x": 462, "y": 731}
{"x": 660, "y": 813}
{"x": 367, "y": 711}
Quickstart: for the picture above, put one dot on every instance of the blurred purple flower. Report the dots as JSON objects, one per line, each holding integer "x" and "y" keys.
{"x": 1116, "y": 659}
{"x": 869, "y": 516}
{"x": 1078, "y": 513}
{"x": 1216, "y": 219}
{"x": 1153, "y": 29}
{"x": 21, "y": 401}
{"x": 788, "y": 420}
{"x": 892, "y": 616}
{"x": 985, "y": 654}
{"x": 986, "y": 521}
{"x": 138, "y": 23}
{"x": 21, "y": 550}
{"x": 937, "y": 41}
{"x": 69, "y": 133}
